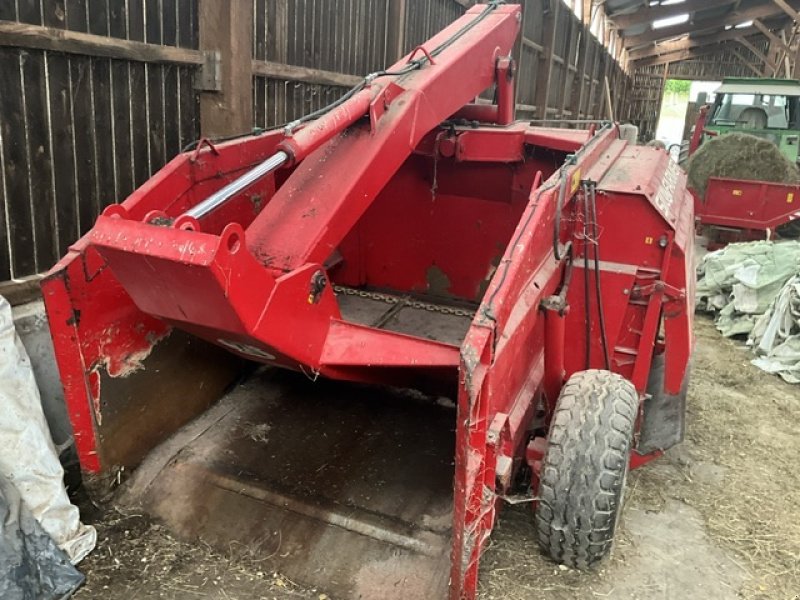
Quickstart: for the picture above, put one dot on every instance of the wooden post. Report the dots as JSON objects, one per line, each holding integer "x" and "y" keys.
{"x": 545, "y": 71}
{"x": 227, "y": 28}
{"x": 395, "y": 31}
{"x": 583, "y": 63}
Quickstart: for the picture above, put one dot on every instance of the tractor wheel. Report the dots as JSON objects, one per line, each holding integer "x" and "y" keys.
{"x": 790, "y": 230}
{"x": 582, "y": 480}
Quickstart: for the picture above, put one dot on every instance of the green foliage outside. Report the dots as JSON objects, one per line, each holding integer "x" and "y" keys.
{"x": 677, "y": 86}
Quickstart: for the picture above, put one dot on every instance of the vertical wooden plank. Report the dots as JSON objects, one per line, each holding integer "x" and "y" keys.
{"x": 140, "y": 12}
{"x": 139, "y": 92}
{"x": 175, "y": 25}
{"x": 228, "y": 28}
{"x": 29, "y": 11}
{"x": 98, "y": 17}
{"x": 190, "y": 108}
{"x": 259, "y": 30}
{"x": 5, "y": 241}
{"x": 168, "y": 26}
{"x": 53, "y": 13}
{"x": 62, "y": 143}
{"x": 564, "y": 86}
{"x": 15, "y": 159}
{"x": 8, "y": 11}
{"x": 592, "y": 107}
{"x": 123, "y": 144}
{"x": 545, "y": 71}
{"x": 103, "y": 111}
{"x": 172, "y": 141}
{"x": 40, "y": 161}
{"x": 121, "y": 106}
{"x": 157, "y": 33}
{"x": 83, "y": 116}
{"x": 583, "y": 49}
{"x": 396, "y": 30}
{"x": 76, "y": 17}
{"x": 135, "y": 16}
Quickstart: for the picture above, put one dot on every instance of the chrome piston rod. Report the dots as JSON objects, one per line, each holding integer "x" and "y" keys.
{"x": 238, "y": 185}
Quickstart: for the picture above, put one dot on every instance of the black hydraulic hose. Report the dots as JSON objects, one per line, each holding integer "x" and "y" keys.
{"x": 597, "y": 287}
{"x": 546, "y": 187}
{"x": 570, "y": 252}
{"x": 586, "y": 295}
{"x": 562, "y": 196}
{"x": 412, "y": 65}
{"x": 562, "y": 193}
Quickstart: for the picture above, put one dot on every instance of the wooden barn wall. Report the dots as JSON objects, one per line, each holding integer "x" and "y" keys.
{"x": 716, "y": 66}
{"x": 80, "y": 129}
{"x": 308, "y": 33}
{"x": 78, "y": 133}
{"x": 644, "y": 101}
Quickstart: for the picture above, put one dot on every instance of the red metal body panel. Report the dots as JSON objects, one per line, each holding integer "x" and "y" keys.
{"x": 455, "y": 216}
{"x": 738, "y": 209}
{"x": 748, "y": 205}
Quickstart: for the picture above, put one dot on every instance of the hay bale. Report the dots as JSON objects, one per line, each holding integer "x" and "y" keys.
{"x": 739, "y": 156}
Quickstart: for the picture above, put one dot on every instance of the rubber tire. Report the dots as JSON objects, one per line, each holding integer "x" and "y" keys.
{"x": 790, "y": 230}
{"x": 582, "y": 480}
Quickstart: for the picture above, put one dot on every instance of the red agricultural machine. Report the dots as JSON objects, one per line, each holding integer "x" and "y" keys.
{"x": 402, "y": 249}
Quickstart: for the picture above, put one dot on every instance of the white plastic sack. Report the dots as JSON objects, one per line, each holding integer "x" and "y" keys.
{"x": 28, "y": 458}
{"x": 776, "y": 335}
{"x": 740, "y": 281}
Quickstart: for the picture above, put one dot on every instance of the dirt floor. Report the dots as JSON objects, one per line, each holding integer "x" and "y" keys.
{"x": 718, "y": 517}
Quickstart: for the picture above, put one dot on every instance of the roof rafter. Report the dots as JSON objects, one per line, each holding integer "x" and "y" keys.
{"x": 654, "y": 13}
{"x": 774, "y": 39}
{"x": 789, "y": 10}
{"x": 689, "y": 54}
{"x": 756, "y": 52}
{"x": 687, "y": 43}
{"x": 759, "y": 11}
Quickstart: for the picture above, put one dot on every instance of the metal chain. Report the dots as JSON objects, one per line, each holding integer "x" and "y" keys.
{"x": 390, "y": 299}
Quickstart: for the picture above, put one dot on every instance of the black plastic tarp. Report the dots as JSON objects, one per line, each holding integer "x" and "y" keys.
{"x": 32, "y": 567}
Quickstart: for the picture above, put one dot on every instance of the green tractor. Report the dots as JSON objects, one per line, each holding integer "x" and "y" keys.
{"x": 766, "y": 108}
{"x": 744, "y": 189}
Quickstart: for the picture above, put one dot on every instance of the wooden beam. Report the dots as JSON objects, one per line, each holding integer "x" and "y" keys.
{"x": 273, "y": 70}
{"x": 545, "y": 70}
{"x": 395, "y": 31}
{"x": 747, "y": 63}
{"x": 580, "y": 75}
{"x": 758, "y": 11}
{"x": 36, "y": 37}
{"x": 677, "y": 56}
{"x": 688, "y": 43}
{"x": 227, "y": 27}
{"x": 758, "y": 54}
{"x": 526, "y": 41}
{"x": 22, "y": 291}
{"x": 587, "y": 13}
{"x": 569, "y": 75}
{"x": 654, "y": 13}
{"x": 774, "y": 39}
{"x": 789, "y": 10}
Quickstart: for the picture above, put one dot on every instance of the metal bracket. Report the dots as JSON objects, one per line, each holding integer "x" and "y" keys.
{"x": 670, "y": 292}
{"x": 208, "y": 77}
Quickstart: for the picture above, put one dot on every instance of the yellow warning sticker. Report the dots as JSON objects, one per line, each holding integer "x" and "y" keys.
{"x": 576, "y": 181}
{"x": 790, "y": 197}
{"x": 737, "y": 192}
